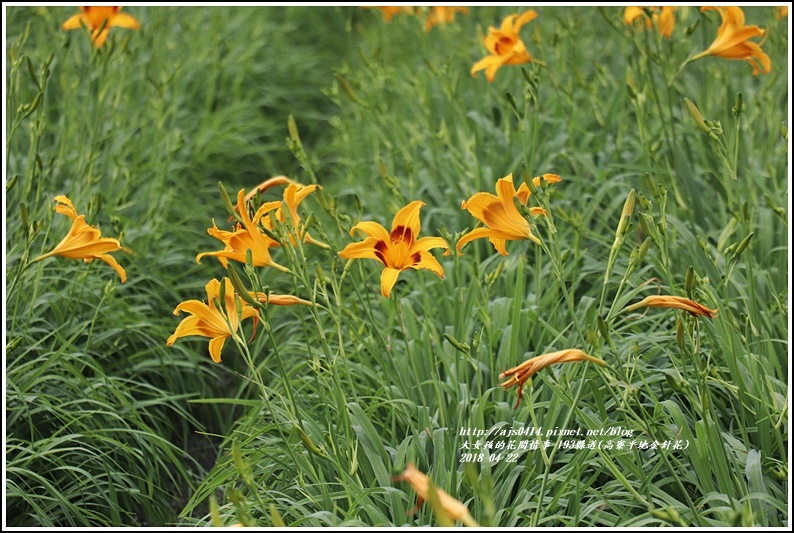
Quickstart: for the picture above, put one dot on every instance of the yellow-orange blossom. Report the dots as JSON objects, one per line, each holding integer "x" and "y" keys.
{"x": 505, "y": 46}
{"x": 663, "y": 17}
{"x": 499, "y": 214}
{"x": 454, "y": 509}
{"x": 733, "y": 40}
{"x": 93, "y": 17}
{"x": 84, "y": 241}
{"x": 209, "y": 320}
{"x": 521, "y": 373}
{"x": 398, "y": 250}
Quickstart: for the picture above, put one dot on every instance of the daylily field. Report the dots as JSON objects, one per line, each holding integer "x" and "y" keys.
{"x": 348, "y": 266}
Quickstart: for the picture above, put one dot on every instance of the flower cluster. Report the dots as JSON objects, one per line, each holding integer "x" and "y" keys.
{"x": 251, "y": 240}
{"x": 733, "y": 36}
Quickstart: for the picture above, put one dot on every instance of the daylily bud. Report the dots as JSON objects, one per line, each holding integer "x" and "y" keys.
{"x": 646, "y": 244}
{"x": 737, "y": 109}
{"x": 696, "y": 116}
{"x": 690, "y": 281}
{"x": 320, "y": 274}
{"x": 527, "y": 177}
{"x": 345, "y": 87}
{"x": 680, "y": 338}
{"x": 293, "y": 129}
{"x": 215, "y": 513}
{"x": 742, "y": 245}
{"x": 227, "y": 202}
{"x": 603, "y": 328}
{"x": 275, "y": 517}
{"x": 307, "y": 441}
{"x": 242, "y": 468}
{"x": 630, "y": 86}
{"x": 646, "y": 223}
{"x": 30, "y": 108}
{"x": 23, "y": 216}
{"x": 646, "y": 204}
{"x": 676, "y": 385}
{"x": 237, "y": 283}
{"x": 625, "y": 216}
{"x": 32, "y": 72}
{"x": 461, "y": 347}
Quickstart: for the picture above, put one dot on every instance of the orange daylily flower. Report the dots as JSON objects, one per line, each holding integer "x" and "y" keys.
{"x": 443, "y": 15}
{"x": 675, "y": 302}
{"x": 452, "y": 508}
{"x": 521, "y": 373}
{"x": 84, "y": 241}
{"x": 390, "y": 11}
{"x": 782, "y": 11}
{"x": 398, "y": 250}
{"x": 245, "y": 237}
{"x": 733, "y": 40}
{"x": 262, "y": 187}
{"x": 505, "y": 46}
{"x": 662, "y": 17}
{"x": 499, "y": 214}
{"x": 94, "y": 18}
{"x": 208, "y": 320}
{"x": 294, "y": 194}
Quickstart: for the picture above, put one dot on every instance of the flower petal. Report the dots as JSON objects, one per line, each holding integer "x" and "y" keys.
{"x": 216, "y": 345}
{"x": 123, "y": 20}
{"x": 73, "y": 22}
{"x": 524, "y": 18}
{"x": 499, "y": 244}
{"x": 372, "y": 229}
{"x": 428, "y": 243}
{"x": 363, "y": 250}
{"x": 387, "y": 280}
{"x": 109, "y": 259}
{"x": 428, "y": 262}
{"x": 406, "y": 225}
{"x": 477, "y": 233}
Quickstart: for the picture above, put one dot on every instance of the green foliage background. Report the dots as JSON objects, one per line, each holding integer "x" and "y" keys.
{"x": 106, "y": 425}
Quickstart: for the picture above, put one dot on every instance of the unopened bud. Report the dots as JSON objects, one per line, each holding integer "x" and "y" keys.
{"x": 527, "y": 177}
{"x": 13, "y": 181}
{"x": 23, "y": 215}
{"x": 690, "y": 282}
{"x": 238, "y": 284}
{"x": 644, "y": 247}
{"x": 695, "y": 114}
{"x": 625, "y": 216}
{"x": 680, "y": 337}
{"x": 307, "y": 441}
{"x": 293, "y": 129}
{"x": 737, "y": 109}
{"x": 32, "y": 72}
{"x": 459, "y": 346}
{"x": 742, "y": 245}
{"x": 646, "y": 223}
{"x": 227, "y": 202}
